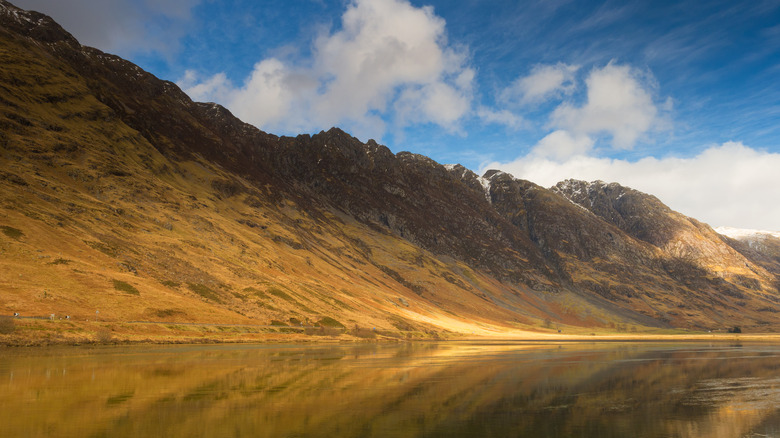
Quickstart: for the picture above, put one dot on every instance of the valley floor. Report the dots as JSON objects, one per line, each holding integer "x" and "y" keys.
{"x": 27, "y": 332}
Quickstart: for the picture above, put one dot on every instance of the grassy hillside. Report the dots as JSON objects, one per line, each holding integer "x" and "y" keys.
{"x": 121, "y": 202}
{"x": 96, "y": 219}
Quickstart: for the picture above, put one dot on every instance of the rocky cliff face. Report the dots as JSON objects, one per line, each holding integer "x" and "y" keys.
{"x": 679, "y": 238}
{"x": 761, "y": 247}
{"x": 135, "y": 182}
{"x": 706, "y": 269}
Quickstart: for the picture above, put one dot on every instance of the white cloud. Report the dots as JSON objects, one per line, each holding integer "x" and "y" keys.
{"x": 544, "y": 82}
{"x": 726, "y": 185}
{"x": 437, "y": 102}
{"x": 618, "y": 104}
{"x": 274, "y": 93}
{"x": 501, "y": 117}
{"x": 218, "y": 85}
{"x": 562, "y": 144}
{"x": 120, "y": 26}
{"x": 388, "y": 56}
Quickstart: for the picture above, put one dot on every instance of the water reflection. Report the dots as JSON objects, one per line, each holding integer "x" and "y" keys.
{"x": 410, "y": 390}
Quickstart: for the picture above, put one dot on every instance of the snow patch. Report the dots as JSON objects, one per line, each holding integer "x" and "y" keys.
{"x": 745, "y": 234}
{"x": 497, "y": 174}
{"x": 484, "y": 182}
{"x": 486, "y": 186}
{"x": 451, "y": 167}
{"x": 571, "y": 189}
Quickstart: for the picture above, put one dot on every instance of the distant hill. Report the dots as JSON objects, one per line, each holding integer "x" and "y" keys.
{"x": 120, "y": 195}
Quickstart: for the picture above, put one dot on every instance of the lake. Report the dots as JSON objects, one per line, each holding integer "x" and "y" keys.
{"x": 448, "y": 389}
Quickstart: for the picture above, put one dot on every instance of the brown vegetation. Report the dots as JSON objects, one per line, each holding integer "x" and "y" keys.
{"x": 7, "y": 325}
{"x": 123, "y": 201}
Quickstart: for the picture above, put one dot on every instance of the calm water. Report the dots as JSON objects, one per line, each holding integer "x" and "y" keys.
{"x": 411, "y": 390}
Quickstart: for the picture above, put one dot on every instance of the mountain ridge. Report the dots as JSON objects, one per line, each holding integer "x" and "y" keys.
{"x": 213, "y": 219}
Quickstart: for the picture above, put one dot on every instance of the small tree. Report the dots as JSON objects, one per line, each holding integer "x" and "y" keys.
{"x": 104, "y": 336}
{"x": 736, "y": 329}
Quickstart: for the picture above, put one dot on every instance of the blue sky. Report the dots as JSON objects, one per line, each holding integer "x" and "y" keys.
{"x": 677, "y": 99}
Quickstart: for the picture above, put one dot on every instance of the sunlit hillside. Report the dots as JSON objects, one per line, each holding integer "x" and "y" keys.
{"x": 122, "y": 201}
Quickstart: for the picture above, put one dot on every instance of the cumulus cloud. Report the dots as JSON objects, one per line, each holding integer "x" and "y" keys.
{"x": 544, "y": 82}
{"x": 562, "y": 144}
{"x": 618, "y": 110}
{"x": 618, "y": 104}
{"x": 217, "y": 85}
{"x": 390, "y": 60}
{"x": 728, "y": 184}
{"x": 725, "y": 185}
{"x": 120, "y": 26}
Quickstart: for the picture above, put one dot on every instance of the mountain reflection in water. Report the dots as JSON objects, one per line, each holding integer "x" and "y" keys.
{"x": 453, "y": 389}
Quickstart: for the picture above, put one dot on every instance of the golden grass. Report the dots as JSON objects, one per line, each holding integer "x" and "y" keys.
{"x": 42, "y": 332}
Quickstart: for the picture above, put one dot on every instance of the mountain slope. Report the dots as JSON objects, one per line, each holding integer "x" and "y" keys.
{"x": 761, "y": 247}
{"x": 113, "y": 176}
{"x": 709, "y": 273}
{"x": 120, "y": 195}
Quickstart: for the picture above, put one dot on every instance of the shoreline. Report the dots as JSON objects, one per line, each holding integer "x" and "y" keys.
{"x": 345, "y": 340}
{"x": 49, "y": 333}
